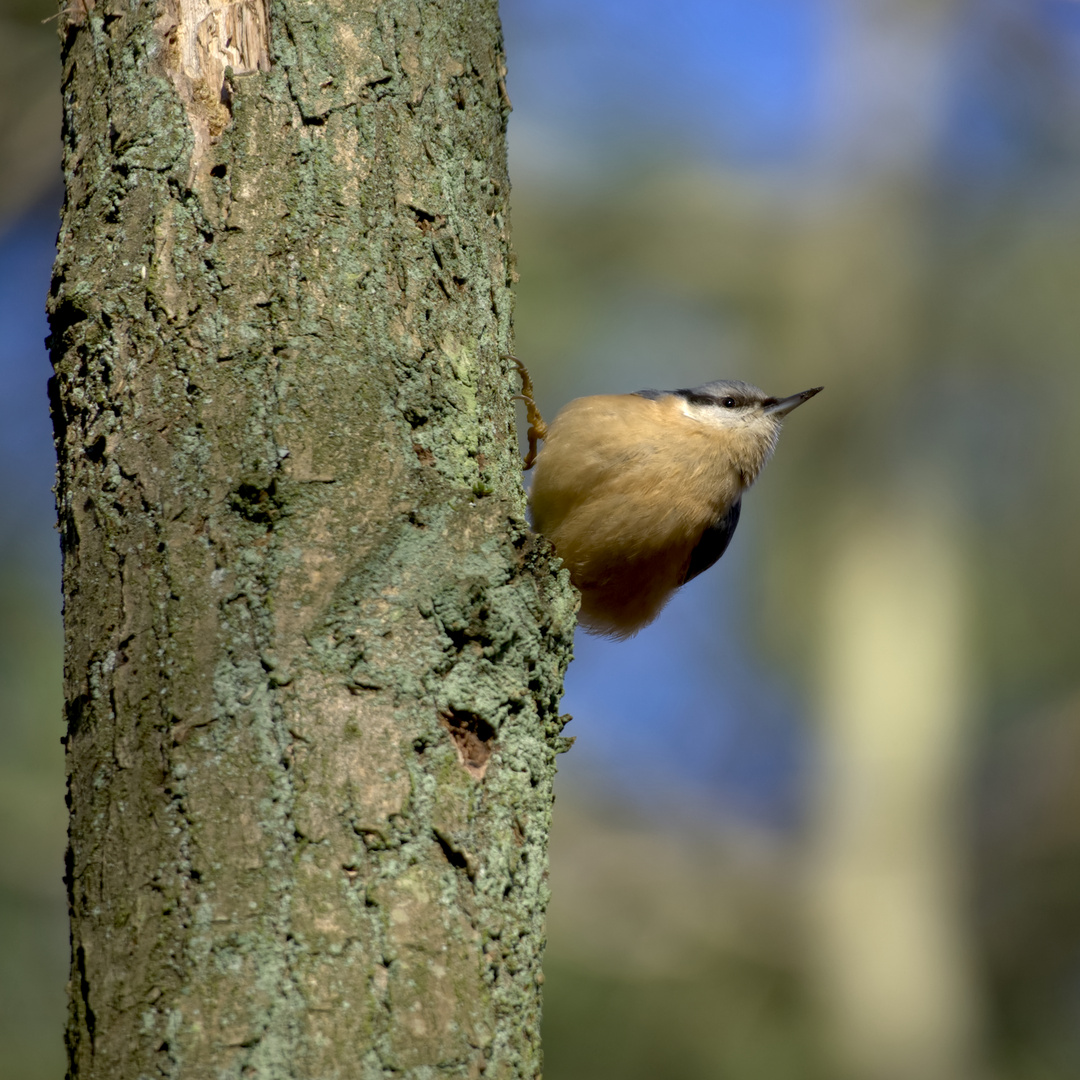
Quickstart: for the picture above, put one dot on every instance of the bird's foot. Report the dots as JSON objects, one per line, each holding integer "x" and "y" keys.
{"x": 537, "y": 427}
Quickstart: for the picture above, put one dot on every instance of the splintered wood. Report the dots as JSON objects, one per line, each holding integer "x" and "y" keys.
{"x": 203, "y": 38}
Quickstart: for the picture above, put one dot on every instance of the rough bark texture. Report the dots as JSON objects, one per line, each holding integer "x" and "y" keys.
{"x": 313, "y": 656}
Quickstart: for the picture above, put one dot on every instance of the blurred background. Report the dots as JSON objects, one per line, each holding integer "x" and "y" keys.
{"x": 822, "y": 820}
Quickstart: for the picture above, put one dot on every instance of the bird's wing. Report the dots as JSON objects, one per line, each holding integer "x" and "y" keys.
{"x": 714, "y": 541}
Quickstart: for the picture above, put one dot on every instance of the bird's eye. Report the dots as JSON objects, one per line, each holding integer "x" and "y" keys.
{"x": 729, "y": 403}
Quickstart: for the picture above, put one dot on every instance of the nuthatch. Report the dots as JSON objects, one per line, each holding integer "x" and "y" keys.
{"x": 640, "y": 493}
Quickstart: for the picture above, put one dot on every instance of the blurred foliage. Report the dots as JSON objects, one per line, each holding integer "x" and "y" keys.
{"x": 673, "y": 951}
{"x": 28, "y": 13}
{"x": 33, "y": 908}
{"x": 935, "y": 297}
{"x": 669, "y": 267}
{"x": 734, "y": 1021}
{"x": 29, "y": 104}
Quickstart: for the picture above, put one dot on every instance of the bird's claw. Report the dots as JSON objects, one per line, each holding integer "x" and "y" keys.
{"x": 537, "y": 427}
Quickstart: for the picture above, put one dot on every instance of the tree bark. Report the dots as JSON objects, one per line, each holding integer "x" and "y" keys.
{"x": 313, "y": 656}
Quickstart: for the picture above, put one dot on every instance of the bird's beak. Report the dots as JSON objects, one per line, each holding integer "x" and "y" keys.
{"x": 784, "y": 405}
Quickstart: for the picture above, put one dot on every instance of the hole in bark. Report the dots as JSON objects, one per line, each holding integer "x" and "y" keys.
{"x": 467, "y": 616}
{"x": 56, "y": 407}
{"x": 65, "y": 315}
{"x": 453, "y": 856}
{"x": 84, "y": 991}
{"x": 96, "y": 450}
{"x": 473, "y": 739}
{"x": 219, "y": 171}
{"x": 427, "y": 222}
{"x": 76, "y": 712}
{"x": 122, "y": 650}
{"x": 69, "y": 535}
{"x": 258, "y": 504}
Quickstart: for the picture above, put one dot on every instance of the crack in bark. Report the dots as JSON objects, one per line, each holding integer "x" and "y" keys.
{"x": 473, "y": 737}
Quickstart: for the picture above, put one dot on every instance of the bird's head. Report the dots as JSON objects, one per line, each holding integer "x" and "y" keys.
{"x": 748, "y": 417}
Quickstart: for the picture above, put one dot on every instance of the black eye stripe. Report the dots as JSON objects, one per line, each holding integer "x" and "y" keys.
{"x": 696, "y": 399}
{"x": 719, "y": 400}
{"x": 728, "y": 401}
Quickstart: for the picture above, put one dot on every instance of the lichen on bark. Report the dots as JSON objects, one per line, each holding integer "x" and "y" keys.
{"x": 313, "y": 654}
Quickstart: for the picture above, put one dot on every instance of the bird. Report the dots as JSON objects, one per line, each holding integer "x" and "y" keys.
{"x": 640, "y": 493}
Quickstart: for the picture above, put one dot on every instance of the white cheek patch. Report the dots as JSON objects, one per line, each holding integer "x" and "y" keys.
{"x": 715, "y": 417}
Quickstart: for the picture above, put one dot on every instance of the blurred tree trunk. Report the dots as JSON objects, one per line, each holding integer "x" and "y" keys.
{"x": 889, "y": 956}
{"x": 313, "y": 657}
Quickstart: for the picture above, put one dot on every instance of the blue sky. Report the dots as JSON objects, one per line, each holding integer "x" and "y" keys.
{"x": 26, "y": 451}
{"x": 725, "y": 78}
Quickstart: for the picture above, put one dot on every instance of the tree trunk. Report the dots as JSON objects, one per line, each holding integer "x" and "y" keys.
{"x": 313, "y": 657}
